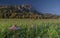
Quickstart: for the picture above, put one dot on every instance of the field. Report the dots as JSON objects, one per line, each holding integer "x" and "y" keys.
{"x": 30, "y": 28}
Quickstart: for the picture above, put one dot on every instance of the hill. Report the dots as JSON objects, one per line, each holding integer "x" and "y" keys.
{"x": 23, "y": 11}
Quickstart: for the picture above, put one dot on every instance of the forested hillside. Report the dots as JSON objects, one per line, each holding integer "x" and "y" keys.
{"x": 24, "y": 11}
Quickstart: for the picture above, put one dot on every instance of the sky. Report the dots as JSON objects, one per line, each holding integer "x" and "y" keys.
{"x": 45, "y": 6}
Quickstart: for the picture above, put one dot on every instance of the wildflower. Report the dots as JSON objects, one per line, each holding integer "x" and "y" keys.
{"x": 14, "y": 28}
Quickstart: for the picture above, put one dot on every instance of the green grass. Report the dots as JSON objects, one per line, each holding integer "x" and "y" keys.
{"x": 30, "y": 28}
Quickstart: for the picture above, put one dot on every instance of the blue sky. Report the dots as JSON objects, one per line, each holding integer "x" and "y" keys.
{"x": 46, "y": 6}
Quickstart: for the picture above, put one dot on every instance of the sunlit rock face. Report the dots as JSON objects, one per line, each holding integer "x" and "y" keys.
{"x": 26, "y": 5}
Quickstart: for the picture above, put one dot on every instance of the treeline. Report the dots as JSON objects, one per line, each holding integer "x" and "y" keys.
{"x": 24, "y": 11}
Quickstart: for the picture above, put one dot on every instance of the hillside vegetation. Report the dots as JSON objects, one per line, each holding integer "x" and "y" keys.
{"x": 24, "y": 11}
{"x": 30, "y": 28}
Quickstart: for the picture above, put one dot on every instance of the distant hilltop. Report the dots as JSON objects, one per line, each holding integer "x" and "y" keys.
{"x": 23, "y": 11}
{"x": 16, "y": 6}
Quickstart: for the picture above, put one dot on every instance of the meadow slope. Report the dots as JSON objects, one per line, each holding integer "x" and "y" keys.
{"x": 31, "y": 28}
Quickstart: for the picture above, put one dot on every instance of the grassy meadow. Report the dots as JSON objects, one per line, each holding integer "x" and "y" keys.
{"x": 30, "y": 28}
